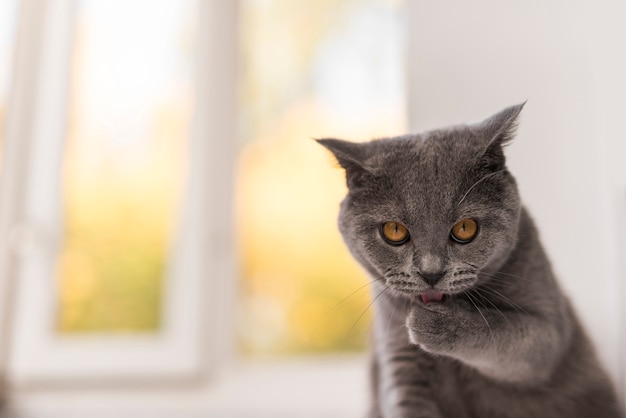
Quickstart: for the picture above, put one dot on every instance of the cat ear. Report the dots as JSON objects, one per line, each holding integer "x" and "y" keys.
{"x": 498, "y": 131}
{"x": 351, "y": 156}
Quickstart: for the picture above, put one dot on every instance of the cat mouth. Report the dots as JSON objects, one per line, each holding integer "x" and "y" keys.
{"x": 432, "y": 297}
{"x": 401, "y": 284}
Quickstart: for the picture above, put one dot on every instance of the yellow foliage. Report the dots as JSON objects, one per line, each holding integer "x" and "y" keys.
{"x": 120, "y": 212}
{"x": 288, "y": 196}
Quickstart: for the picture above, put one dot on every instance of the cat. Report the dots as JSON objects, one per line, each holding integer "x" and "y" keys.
{"x": 469, "y": 320}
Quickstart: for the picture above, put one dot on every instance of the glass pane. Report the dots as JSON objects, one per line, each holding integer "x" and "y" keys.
{"x": 342, "y": 77}
{"x": 8, "y": 21}
{"x": 125, "y": 161}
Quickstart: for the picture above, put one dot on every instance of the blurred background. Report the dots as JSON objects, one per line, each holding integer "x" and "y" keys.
{"x": 168, "y": 225}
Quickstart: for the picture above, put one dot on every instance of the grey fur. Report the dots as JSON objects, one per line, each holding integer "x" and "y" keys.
{"x": 505, "y": 341}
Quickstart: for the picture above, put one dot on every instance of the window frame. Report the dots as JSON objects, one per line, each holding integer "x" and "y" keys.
{"x": 197, "y": 324}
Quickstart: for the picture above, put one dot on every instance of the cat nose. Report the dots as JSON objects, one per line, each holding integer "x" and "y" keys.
{"x": 432, "y": 277}
{"x": 431, "y": 267}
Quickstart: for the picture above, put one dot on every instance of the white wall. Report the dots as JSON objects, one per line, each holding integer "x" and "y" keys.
{"x": 467, "y": 60}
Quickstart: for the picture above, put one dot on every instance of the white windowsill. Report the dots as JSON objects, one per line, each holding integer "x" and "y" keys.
{"x": 311, "y": 387}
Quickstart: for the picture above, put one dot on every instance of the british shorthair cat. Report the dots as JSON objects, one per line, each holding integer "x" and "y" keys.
{"x": 469, "y": 319}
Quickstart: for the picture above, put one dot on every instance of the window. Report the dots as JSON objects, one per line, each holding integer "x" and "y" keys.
{"x": 132, "y": 131}
{"x": 112, "y": 152}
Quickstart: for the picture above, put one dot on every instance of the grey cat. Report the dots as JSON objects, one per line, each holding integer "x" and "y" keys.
{"x": 469, "y": 319}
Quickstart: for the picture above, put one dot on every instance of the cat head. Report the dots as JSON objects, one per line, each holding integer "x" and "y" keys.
{"x": 428, "y": 212}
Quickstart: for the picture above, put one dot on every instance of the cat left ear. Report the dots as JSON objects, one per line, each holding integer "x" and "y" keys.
{"x": 351, "y": 156}
{"x": 498, "y": 131}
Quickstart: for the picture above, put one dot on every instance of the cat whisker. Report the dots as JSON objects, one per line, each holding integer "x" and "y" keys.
{"x": 353, "y": 293}
{"x": 500, "y": 273}
{"x": 386, "y": 304}
{"x": 502, "y": 297}
{"x": 368, "y": 331}
{"x": 471, "y": 299}
{"x": 506, "y": 283}
{"x": 478, "y": 270}
{"x": 393, "y": 311}
{"x": 470, "y": 264}
{"x": 483, "y": 298}
{"x": 366, "y": 309}
{"x": 477, "y": 183}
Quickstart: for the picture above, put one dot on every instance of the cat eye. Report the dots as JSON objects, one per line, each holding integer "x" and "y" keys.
{"x": 394, "y": 233}
{"x": 464, "y": 231}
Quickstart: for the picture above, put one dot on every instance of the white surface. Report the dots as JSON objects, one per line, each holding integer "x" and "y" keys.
{"x": 316, "y": 388}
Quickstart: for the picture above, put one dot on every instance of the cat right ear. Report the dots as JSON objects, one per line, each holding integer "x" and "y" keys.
{"x": 497, "y": 131}
{"x": 349, "y": 155}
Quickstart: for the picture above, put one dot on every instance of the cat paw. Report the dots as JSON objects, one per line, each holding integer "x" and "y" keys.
{"x": 434, "y": 327}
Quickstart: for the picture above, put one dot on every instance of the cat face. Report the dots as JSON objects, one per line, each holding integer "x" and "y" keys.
{"x": 428, "y": 212}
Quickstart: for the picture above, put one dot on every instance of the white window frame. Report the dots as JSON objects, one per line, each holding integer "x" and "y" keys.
{"x": 197, "y": 327}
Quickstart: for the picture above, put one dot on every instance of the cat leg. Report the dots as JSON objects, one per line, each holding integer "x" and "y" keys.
{"x": 405, "y": 374}
{"x": 408, "y": 390}
{"x": 405, "y": 380}
{"x": 374, "y": 407}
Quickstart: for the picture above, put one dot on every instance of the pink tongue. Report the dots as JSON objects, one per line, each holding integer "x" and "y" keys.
{"x": 432, "y": 297}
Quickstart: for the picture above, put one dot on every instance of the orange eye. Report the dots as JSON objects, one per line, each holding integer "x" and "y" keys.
{"x": 395, "y": 233}
{"x": 464, "y": 231}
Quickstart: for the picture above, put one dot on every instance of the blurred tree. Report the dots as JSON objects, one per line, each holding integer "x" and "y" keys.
{"x": 296, "y": 270}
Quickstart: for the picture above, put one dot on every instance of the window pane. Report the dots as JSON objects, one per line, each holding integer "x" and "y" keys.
{"x": 125, "y": 161}
{"x": 8, "y": 20}
{"x": 309, "y": 70}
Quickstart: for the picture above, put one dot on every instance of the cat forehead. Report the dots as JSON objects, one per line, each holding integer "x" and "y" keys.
{"x": 421, "y": 175}
{"x": 447, "y": 148}
{"x": 432, "y": 153}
